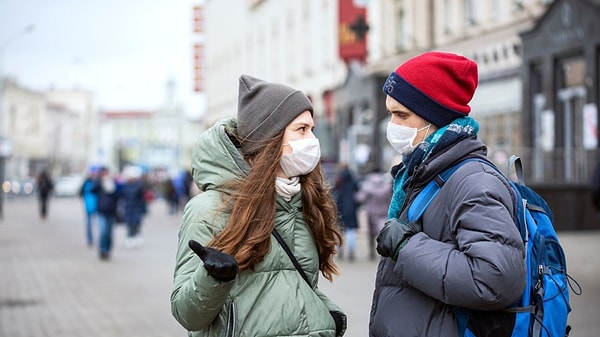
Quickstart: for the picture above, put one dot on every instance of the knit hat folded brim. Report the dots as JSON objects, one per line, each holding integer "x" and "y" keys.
{"x": 437, "y": 86}
{"x": 418, "y": 102}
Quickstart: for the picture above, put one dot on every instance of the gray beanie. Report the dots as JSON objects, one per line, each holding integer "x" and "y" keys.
{"x": 265, "y": 109}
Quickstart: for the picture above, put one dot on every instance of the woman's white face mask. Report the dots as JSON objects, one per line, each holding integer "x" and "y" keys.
{"x": 402, "y": 137}
{"x": 304, "y": 157}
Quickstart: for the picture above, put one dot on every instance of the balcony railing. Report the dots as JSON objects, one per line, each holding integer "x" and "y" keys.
{"x": 561, "y": 166}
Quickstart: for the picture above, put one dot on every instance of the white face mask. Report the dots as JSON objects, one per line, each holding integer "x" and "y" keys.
{"x": 402, "y": 137}
{"x": 305, "y": 156}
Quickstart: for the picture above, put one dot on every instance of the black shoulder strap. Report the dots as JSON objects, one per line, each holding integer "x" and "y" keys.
{"x": 291, "y": 255}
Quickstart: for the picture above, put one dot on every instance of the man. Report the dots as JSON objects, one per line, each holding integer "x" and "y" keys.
{"x": 466, "y": 251}
{"x": 107, "y": 193}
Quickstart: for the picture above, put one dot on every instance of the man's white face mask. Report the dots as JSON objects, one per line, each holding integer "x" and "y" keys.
{"x": 402, "y": 137}
{"x": 305, "y": 156}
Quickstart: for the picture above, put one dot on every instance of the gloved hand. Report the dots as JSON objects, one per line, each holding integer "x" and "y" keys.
{"x": 340, "y": 323}
{"x": 219, "y": 265}
{"x": 394, "y": 236}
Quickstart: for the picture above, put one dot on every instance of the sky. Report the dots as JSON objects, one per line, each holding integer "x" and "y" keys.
{"x": 124, "y": 51}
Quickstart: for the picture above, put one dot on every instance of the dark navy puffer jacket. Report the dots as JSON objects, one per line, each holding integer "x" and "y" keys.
{"x": 108, "y": 197}
{"x": 469, "y": 254}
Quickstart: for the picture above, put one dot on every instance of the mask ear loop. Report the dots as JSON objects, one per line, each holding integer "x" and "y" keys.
{"x": 425, "y": 136}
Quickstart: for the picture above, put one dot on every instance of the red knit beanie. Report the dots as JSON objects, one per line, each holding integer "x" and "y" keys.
{"x": 436, "y": 86}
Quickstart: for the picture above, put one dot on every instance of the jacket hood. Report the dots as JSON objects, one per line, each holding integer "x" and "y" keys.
{"x": 215, "y": 158}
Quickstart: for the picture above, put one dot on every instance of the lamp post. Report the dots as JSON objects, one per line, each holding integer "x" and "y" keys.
{"x": 5, "y": 146}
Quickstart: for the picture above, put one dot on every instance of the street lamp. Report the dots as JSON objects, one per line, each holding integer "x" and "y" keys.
{"x": 5, "y": 147}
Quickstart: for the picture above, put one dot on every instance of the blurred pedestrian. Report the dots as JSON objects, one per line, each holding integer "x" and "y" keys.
{"x": 345, "y": 189}
{"x": 264, "y": 205}
{"x": 375, "y": 194}
{"x": 90, "y": 203}
{"x": 108, "y": 193}
{"x": 465, "y": 251}
{"x": 171, "y": 197}
{"x": 45, "y": 186}
{"x": 188, "y": 182}
{"x": 134, "y": 205}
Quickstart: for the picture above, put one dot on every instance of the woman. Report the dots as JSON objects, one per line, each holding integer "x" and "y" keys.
{"x": 466, "y": 251}
{"x": 258, "y": 173}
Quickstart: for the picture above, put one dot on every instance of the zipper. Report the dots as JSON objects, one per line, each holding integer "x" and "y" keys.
{"x": 231, "y": 320}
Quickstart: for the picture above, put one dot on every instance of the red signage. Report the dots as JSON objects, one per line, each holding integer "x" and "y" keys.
{"x": 198, "y": 19}
{"x": 198, "y": 47}
{"x": 197, "y": 67}
{"x": 352, "y": 31}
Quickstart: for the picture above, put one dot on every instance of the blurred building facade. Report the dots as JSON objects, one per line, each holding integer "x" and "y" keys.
{"x": 305, "y": 44}
{"x": 292, "y": 42}
{"x": 63, "y": 131}
{"x": 23, "y": 120}
{"x": 45, "y": 130}
{"x": 71, "y": 130}
{"x": 159, "y": 140}
{"x": 538, "y": 60}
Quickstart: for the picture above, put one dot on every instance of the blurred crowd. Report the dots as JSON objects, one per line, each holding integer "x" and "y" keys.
{"x": 113, "y": 198}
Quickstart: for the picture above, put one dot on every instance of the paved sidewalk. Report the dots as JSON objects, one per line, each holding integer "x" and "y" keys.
{"x": 52, "y": 284}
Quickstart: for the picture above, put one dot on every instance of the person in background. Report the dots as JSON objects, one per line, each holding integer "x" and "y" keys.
{"x": 108, "y": 193}
{"x": 375, "y": 194}
{"x": 134, "y": 205}
{"x": 261, "y": 182}
{"x": 345, "y": 189}
{"x": 90, "y": 203}
{"x": 45, "y": 186}
{"x": 171, "y": 197}
{"x": 465, "y": 251}
{"x": 188, "y": 182}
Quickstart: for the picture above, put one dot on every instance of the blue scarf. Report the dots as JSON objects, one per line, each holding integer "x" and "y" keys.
{"x": 443, "y": 138}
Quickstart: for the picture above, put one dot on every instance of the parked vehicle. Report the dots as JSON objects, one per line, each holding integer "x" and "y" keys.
{"x": 68, "y": 186}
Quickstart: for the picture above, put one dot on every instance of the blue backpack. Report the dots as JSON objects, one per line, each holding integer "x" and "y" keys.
{"x": 544, "y": 304}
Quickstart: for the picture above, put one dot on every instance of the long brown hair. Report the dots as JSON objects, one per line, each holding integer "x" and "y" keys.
{"x": 246, "y": 235}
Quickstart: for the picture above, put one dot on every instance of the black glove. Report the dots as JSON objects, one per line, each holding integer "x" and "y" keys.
{"x": 340, "y": 323}
{"x": 394, "y": 236}
{"x": 219, "y": 265}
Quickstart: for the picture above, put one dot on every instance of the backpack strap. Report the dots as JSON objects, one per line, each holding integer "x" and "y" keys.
{"x": 516, "y": 162}
{"x": 428, "y": 193}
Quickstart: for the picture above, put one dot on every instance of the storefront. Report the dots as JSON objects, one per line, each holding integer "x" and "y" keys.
{"x": 360, "y": 122}
{"x": 560, "y": 73}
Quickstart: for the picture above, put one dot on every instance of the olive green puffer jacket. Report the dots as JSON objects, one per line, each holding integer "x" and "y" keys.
{"x": 273, "y": 299}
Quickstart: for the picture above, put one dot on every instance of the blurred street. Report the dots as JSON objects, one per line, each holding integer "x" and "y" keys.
{"x": 52, "y": 284}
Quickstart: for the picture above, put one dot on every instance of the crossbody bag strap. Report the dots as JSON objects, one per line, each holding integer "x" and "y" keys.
{"x": 291, "y": 255}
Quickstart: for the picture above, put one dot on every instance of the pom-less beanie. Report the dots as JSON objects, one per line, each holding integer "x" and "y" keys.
{"x": 265, "y": 109}
{"x": 437, "y": 86}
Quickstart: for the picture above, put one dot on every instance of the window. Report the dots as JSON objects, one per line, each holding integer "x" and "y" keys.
{"x": 469, "y": 13}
